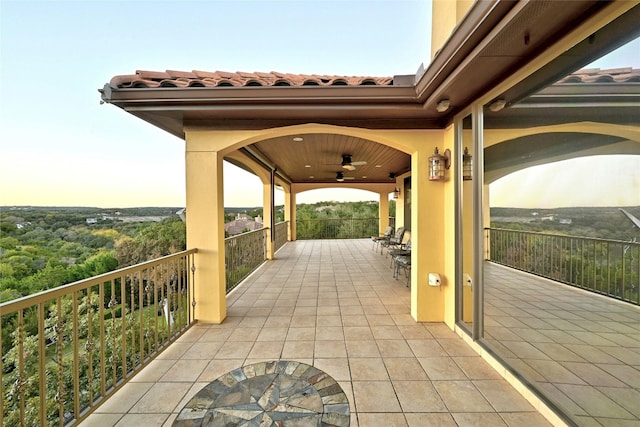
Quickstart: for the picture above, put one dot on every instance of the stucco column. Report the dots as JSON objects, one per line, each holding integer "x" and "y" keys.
{"x": 383, "y": 212}
{"x": 267, "y": 202}
{"x": 427, "y": 237}
{"x": 205, "y": 230}
{"x": 292, "y": 216}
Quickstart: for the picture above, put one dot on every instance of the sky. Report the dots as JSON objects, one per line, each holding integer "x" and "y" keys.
{"x": 60, "y": 147}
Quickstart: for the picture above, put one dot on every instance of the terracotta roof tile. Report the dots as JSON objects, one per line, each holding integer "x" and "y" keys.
{"x": 596, "y": 75}
{"x": 196, "y": 78}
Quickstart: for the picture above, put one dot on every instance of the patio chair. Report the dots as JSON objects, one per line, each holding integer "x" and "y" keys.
{"x": 403, "y": 262}
{"x": 399, "y": 244}
{"x": 393, "y": 240}
{"x": 403, "y": 249}
{"x": 386, "y": 236}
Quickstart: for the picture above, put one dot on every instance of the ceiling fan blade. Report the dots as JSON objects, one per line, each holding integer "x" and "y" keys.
{"x": 349, "y": 167}
{"x": 359, "y": 163}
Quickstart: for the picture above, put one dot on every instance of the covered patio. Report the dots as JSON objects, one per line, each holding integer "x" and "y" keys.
{"x": 332, "y": 304}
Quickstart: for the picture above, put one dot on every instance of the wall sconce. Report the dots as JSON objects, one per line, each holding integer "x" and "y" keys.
{"x": 438, "y": 163}
{"x": 442, "y": 106}
{"x": 497, "y": 105}
{"x": 467, "y": 165}
{"x": 396, "y": 194}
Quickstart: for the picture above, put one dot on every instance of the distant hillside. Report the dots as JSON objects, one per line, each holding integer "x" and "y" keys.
{"x": 597, "y": 222}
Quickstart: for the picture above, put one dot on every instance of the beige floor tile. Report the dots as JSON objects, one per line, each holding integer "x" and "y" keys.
{"x": 456, "y": 347}
{"x": 216, "y": 334}
{"x": 394, "y": 348}
{"x": 502, "y": 396}
{"x": 386, "y": 332}
{"x": 124, "y": 399}
{"x": 244, "y": 334}
{"x": 303, "y": 320}
{"x": 475, "y": 368}
{"x": 329, "y": 320}
{"x": 378, "y": 420}
{"x": 362, "y": 349}
{"x": 234, "y": 350}
{"x": 294, "y": 350}
{"x": 277, "y": 322}
{"x": 137, "y": 420}
{"x": 102, "y": 420}
{"x": 354, "y": 320}
{"x": 404, "y": 368}
{"x": 175, "y": 350}
{"x": 528, "y": 419}
{"x": 161, "y": 398}
{"x": 367, "y": 369}
{"x": 185, "y": 370}
{"x": 414, "y": 332}
{"x": 266, "y": 350}
{"x": 193, "y": 334}
{"x": 431, "y": 420}
{"x": 462, "y": 396}
{"x": 594, "y": 402}
{"x": 357, "y": 333}
{"x": 203, "y": 350}
{"x": 329, "y": 349}
{"x": 154, "y": 370}
{"x": 301, "y": 334}
{"x": 478, "y": 420}
{"x": 426, "y": 348}
{"x": 418, "y": 396}
{"x": 329, "y": 333}
{"x": 441, "y": 368}
{"x": 272, "y": 334}
{"x": 375, "y": 396}
{"x": 337, "y": 368}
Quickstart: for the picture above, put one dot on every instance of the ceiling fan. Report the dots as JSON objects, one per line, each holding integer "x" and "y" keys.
{"x": 350, "y": 165}
{"x": 341, "y": 178}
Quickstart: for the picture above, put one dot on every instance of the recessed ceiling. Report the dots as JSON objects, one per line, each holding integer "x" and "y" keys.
{"x": 320, "y": 156}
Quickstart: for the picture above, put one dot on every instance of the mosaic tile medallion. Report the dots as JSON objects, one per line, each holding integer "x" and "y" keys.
{"x": 268, "y": 394}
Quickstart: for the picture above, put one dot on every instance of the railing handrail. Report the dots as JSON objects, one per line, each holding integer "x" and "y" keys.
{"x": 605, "y": 266}
{"x": 46, "y": 295}
{"x": 259, "y": 230}
{"x": 539, "y": 233}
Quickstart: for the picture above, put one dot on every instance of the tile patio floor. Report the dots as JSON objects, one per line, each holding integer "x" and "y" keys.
{"x": 333, "y": 305}
{"x": 582, "y": 349}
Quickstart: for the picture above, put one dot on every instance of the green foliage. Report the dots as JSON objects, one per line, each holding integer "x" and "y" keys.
{"x": 330, "y": 220}
{"x": 41, "y": 248}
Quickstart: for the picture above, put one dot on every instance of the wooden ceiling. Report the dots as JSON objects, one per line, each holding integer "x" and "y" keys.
{"x": 318, "y": 157}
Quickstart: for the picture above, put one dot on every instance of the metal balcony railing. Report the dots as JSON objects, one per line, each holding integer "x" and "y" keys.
{"x": 609, "y": 267}
{"x": 67, "y": 349}
{"x": 243, "y": 254}
{"x": 282, "y": 231}
{"x": 337, "y": 228}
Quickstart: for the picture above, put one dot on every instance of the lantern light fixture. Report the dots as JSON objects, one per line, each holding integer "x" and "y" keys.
{"x": 438, "y": 164}
{"x": 396, "y": 193}
{"x": 467, "y": 165}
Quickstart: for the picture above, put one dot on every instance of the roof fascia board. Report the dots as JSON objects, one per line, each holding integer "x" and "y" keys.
{"x": 253, "y": 94}
{"x": 482, "y": 16}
